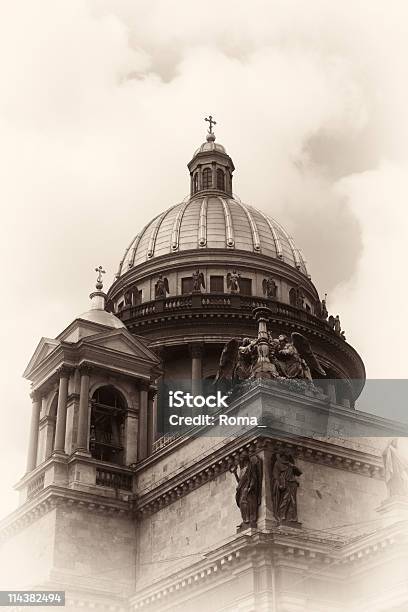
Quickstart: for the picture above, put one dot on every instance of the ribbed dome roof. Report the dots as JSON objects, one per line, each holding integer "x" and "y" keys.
{"x": 211, "y": 222}
{"x": 210, "y": 146}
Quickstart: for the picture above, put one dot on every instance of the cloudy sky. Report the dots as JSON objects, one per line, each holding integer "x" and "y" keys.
{"x": 102, "y": 105}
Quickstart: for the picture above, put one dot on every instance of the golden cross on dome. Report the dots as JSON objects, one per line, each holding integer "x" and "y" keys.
{"x": 212, "y": 122}
{"x": 99, "y": 282}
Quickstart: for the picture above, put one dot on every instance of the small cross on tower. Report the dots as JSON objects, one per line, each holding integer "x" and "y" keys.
{"x": 99, "y": 282}
{"x": 212, "y": 122}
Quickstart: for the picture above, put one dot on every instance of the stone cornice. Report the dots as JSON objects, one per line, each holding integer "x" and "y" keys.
{"x": 53, "y": 496}
{"x": 309, "y": 550}
{"x": 108, "y": 359}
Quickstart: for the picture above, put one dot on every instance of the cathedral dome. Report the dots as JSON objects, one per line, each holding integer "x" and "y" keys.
{"x": 212, "y": 221}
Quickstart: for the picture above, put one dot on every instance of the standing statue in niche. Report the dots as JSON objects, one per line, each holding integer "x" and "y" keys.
{"x": 269, "y": 287}
{"x": 161, "y": 288}
{"x": 198, "y": 281}
{"x": 396, "y": 470}
{"x": 233, "y": 279}
{"x": 249, "y": 488}
{"x": 284, "y": 487}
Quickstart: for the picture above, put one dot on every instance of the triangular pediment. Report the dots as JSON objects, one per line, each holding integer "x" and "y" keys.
{"x": 122, "y": 341}
{"x": 44, "y": 348}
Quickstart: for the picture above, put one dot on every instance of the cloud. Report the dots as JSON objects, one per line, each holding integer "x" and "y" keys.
{"x": 101, "y": 108}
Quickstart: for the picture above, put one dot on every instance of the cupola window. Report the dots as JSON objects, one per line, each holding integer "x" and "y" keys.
{"x": 207, "y": 182}
{"x": 195, "y": 183}
{"x": 220, "y": 179}
{"x": 292, "y": 297}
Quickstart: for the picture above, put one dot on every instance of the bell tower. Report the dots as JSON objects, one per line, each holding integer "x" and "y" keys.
{"x": 92, "y": 421}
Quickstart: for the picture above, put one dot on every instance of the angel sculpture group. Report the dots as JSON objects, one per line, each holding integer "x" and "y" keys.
{"x": 291, "y": 359}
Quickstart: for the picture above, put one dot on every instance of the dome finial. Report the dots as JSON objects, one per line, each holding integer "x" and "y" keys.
{"x": 210, "y": 135}
{"x": 99, "y": 281}
{"x": 98, "y": 297}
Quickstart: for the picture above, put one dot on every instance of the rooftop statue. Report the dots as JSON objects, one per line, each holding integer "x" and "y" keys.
{"x": 396, "y": 470}
{"x": 161, "y": 287}
{"x": 198, "y": 280}
{"x": 233, "y": 279}
{"x": 288, "y": 359}
{"x": 269, "y": 287}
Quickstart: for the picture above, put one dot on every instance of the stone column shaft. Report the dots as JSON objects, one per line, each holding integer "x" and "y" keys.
{"x": 214, "y": 175}
{"x": 196, "y": 369}
{"x": 151, "y": 423}
{"x": 34, "y": 426}
{"x": 83, "y": 418}
{"x": 143, "y": 408}
{"x": 60, "y": 428}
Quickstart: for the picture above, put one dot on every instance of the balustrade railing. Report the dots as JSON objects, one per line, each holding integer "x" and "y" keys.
{"x": 164, "y": 441}
{"x": 113, "y": 479}
{"x": 35, "y": 486}
{"x": 208, "y": 301}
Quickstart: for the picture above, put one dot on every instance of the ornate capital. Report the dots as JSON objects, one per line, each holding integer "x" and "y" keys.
{"x": 196, "y": 350}
{"x": 64, "y": 371}
{"x": 144, "y": 386}
{"x": 85, "y": 369}
{"x": 35, "y": 395}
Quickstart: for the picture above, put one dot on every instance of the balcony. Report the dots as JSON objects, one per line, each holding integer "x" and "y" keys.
{"x": 228, "y": 303}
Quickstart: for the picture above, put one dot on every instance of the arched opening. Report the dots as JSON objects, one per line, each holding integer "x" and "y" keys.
{"x": 220, "y": 180}
{"x": 108, "y": 413}
{"x": 195, "y": 183}
{"x": 292, "y": 297}
{"x": 207, "y": 182}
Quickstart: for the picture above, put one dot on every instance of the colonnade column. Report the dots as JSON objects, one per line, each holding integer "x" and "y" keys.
{"x": 151, "y": 421}
{"x": 59, "y": 444}
{"x": 143, "y": 411}
{"x": 196, "y": 351}
{"x": 83, "y": 417}
{"x": 34, "y": 426}
{"x": 214, "y": 175}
